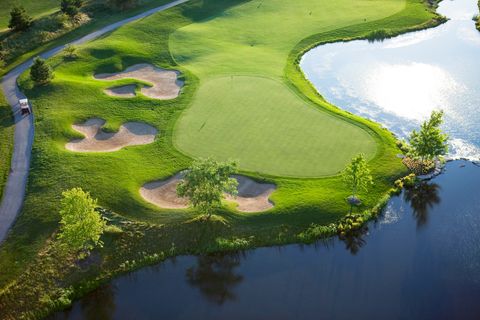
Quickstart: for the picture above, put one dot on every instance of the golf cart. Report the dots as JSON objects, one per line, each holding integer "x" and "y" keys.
{"x": 24, "y": 106}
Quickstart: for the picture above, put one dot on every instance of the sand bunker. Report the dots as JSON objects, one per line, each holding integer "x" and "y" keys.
{"x": 96, "y": 140}
{"x": 127, "y": 91}
{"x": 252, "y": 196}
{"x": 163, "y": 193}
{"x": 165, "y": 83}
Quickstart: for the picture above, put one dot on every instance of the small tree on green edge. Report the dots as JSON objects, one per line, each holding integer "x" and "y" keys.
{"x": 70, "y": 51}
{"x": 357, "y": 176}
{"x": 81, "y": 225}
{"x": 40, "y": 72}
{"x": 19, "y": 19}
{"x": 205, "y": 182}
{"x": 430, "y": 142}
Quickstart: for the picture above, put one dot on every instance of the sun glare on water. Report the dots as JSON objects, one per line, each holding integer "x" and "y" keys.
{"x": 410, "y": 90}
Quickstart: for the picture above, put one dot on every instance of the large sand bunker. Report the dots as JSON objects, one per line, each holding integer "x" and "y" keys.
{"x": 252, "y": 196}
{"x": 96, "y": 140}
{"x": 165, "y": 83}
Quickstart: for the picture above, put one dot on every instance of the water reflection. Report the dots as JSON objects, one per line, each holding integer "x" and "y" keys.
{"x": 355, "y": 240}
{"x": 399, "y": 81}
{"x": 422, "y": 198}
{"x": 215, "y": 276}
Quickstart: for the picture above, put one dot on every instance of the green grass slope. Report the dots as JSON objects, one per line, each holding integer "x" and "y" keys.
{"x": 34, "y": 8}
{"x": 208, "y": 64}
{"x": 6, "y": 140}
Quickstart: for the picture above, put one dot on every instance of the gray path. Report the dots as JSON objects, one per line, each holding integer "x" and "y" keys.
{"x": 14, "y": 191}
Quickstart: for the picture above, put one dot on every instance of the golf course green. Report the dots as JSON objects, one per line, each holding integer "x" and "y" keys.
{"x": 243, "y": 98}
{"x": 267, "y": 128}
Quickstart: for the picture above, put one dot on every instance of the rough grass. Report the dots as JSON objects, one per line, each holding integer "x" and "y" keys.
{"x": 115, "y": 178}
{"x": 34, "y": 8}
{"x": 6, "y": 140}
{"x": 267, "y": 128}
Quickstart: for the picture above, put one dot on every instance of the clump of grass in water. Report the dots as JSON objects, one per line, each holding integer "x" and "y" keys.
{"x": 379, "y": 35}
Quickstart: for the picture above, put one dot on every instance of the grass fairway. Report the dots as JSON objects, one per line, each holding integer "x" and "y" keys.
{"x": 34, "y": 8}
{"x": 268, "y": 128}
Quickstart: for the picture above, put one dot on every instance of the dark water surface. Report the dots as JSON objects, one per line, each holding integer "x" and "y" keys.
{"x": 421, "y": 260}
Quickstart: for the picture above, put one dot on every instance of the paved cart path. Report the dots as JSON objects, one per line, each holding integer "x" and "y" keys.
{"x": 14, "y": 191}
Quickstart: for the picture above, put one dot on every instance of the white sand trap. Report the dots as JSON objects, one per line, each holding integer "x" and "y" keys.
{"x": 96, "y": 140}
{"x": 252, "y": 196}
{"x": 127, "y": 91}
{"x": 163, "y": 193}
{"x": 165, "y": 83}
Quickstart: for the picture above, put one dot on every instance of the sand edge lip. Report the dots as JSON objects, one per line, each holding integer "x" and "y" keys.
{"x": 97, "y": 140}
{"x": 252, "y": 196}
{"x": 165, "y": 84}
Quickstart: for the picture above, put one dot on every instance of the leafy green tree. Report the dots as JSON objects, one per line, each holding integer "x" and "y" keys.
{"x": 205, "y": 182}
{"x": 81, "y": 225}
{"x": 357, "y": 176}
{"x": 430, "y": 142}
{"x": 19, "y": 19}
{"x": 40, "y": 72}
{"x": 71, "y": 7}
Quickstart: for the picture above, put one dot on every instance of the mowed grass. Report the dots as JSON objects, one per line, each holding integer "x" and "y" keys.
{"x": 34, "y": 8}
{"x": 268, "y": 128}
{"x": 259, "y": 121}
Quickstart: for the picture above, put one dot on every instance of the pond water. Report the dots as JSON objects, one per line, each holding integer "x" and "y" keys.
{"x": 420, "y": 260}
{"x": 399, "y": 81}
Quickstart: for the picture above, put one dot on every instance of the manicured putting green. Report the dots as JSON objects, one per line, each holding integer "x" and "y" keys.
{"x": 269, "y": 129}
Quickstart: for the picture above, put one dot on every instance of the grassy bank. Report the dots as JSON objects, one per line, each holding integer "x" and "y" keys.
{"x": 34, "y": 8}
{"x": 151, "y": 234}
{"x": 54, "y": 29}
{"x": 6, "y": 140}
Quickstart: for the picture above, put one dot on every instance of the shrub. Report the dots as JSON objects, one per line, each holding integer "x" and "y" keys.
{"x": 40, "y": 72}
{"x": 19, "y": 19}
{"x": 232, "y": 244}
{"x": 70, "y": 51}
{"x": 378, "y": 35}
{"x": 316, "y": 231}
{"x": 71, "y": 7}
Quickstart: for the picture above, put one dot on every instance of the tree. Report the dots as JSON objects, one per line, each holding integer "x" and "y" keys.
{"x": 19, "y": 19}
{"x": 40, "y": 72}
{"x": 70, "y": 51}
{"x": 71, "y": 7}
{"x": 122, "y": 4}
{"x": 81, "y": 225}
{"x": 205, "y": 182}
{"x": 357, "y": 176}
{"x": 430, "y": 142}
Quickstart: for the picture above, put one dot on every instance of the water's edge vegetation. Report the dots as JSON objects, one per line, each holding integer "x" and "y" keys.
{"x": 140, "y": 249}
